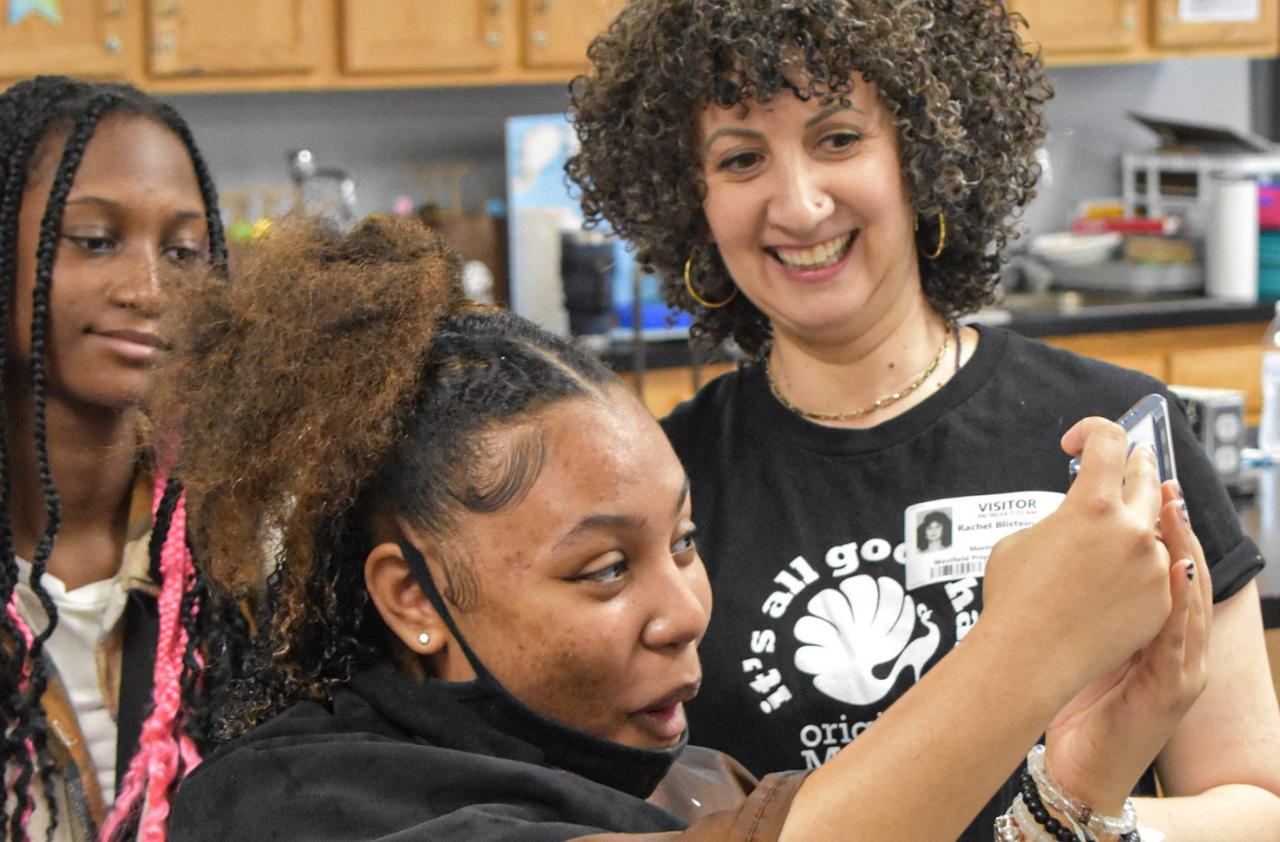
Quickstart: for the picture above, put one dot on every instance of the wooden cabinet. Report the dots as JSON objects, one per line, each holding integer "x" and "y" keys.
{"x": 178, "y": 46}
{"x": 1066, "y": 28}
{"x": 88, "y": 39}
{"x": 243, "y": 45}
{"x": 1219, "y": 356}
{"x": 557, "y": 33}
{"x": 1170, "y": 31}
{"x": 420, "y": 36}
{"x": 663, "y": 389}
{"x": 234, "y": 37}
{"x": 1106, "y": 31}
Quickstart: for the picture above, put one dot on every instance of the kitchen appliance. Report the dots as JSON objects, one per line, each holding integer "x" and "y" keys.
{"x": 1217, "y": 419}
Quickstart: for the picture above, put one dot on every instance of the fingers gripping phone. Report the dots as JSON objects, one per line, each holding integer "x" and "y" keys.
{"x": 1147, "y": 421}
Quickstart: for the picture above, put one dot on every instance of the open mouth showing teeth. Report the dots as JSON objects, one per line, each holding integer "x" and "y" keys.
{"x": 815, "y": 257}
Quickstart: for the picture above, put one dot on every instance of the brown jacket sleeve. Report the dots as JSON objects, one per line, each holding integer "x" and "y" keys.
{"x": 721, "y": 801}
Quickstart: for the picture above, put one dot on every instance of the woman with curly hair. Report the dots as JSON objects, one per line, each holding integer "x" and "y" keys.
{"x": 484, "y": 615}
{"x": 831, "y": 184}
{"x": 101, "y": 190}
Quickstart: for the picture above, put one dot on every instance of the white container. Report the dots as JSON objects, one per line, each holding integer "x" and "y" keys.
{"x": 1231, "y": 238}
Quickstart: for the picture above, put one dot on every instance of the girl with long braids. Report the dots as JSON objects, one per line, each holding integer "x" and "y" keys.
{"x": 101, "y": 190}
{"x": 487, "y": 598}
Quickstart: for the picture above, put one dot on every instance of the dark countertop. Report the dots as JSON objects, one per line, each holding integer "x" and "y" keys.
{"x": 1047, "y": 314}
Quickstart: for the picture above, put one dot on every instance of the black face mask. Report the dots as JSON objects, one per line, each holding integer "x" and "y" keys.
{"x": 635, "y": 771}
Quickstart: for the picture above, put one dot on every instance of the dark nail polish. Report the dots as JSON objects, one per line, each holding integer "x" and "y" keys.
{"x": 1186, "y": 516}
{"x": 1191, "y": 569}
{"x": 1177, "y": 487}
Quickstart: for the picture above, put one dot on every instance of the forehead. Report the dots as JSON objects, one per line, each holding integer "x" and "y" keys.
{"x": 863, "y": 98}
{"x": 598, "y": 444}
{"x": 128, "y": 154}
{"x": 601, "y": 455}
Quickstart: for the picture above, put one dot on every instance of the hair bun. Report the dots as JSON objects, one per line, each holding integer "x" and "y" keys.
{"x": 286, "y": 386}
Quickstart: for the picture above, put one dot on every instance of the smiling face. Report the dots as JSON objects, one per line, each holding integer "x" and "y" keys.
{"x": 807, "y": 206}
{"x": 135, "y": 206}
{"x": 592, "y": 598}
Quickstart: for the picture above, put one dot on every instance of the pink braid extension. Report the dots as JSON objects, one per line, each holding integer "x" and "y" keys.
{"x": 163, "y": 743}
{"x": 24, "y": 682}
{"x": 29, "y": 804}
{"x": 26, "y": 633}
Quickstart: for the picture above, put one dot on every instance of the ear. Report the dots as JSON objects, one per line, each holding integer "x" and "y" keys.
{"x": 409, "y": 614}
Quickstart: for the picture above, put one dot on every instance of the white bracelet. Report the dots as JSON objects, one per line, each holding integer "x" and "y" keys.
{"x": 1032, "y": 830}
{"x": 1057, "y": 797}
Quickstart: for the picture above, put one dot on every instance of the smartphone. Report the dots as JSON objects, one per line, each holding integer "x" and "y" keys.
{"x": 1147, "y": 421}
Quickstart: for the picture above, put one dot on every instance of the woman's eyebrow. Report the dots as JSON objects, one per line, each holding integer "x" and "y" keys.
{"x": 736, "y": 131}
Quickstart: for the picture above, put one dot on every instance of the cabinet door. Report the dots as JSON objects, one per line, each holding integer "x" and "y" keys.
{"x": 77, "y": 39}
{"x": 235, "y": 37}
{"x": 1071, "y": 27}
{"x": 1222, "y": 368}
{"x": 557, "y": 32}
{"x": 1188, "y": 23}
{"x": 394, "y": 36}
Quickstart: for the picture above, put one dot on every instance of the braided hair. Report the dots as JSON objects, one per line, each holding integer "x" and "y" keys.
{"x": 372, "y": 388}
{"x": 30, "y": 113}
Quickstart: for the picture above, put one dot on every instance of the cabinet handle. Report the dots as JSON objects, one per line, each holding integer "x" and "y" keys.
{"x": 539, "y": 38}
{"x": 498, "y": 7}
{"x": 115, "y": 8}
{"x": 114, "y": 45}
{"x": 544, "y": 6}
{"x": 492, "y": 38}
{"x": 175, "y": 7}
{"x": 165, "y": 43}
{"x": 1130, "y": 19}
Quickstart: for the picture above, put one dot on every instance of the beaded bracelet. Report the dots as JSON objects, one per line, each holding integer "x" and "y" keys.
{"x": 1031, "y": 797}
{"x": 1123, "y": 825}
{"x": 1032, "y": 830}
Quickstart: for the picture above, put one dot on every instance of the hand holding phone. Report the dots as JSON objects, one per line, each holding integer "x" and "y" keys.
{"x": 1147, "y": 421}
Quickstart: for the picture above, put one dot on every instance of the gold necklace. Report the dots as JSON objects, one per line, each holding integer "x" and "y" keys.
{"x": 858, "y": 413}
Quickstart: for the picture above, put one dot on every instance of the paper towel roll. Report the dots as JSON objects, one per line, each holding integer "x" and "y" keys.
{"x": 1231, "y": 239}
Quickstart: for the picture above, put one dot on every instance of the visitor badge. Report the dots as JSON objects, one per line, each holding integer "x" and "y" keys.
{"x": 951, "y": 539}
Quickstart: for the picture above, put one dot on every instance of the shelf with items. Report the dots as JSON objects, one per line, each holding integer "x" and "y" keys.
{"x": 1166, "y": 183}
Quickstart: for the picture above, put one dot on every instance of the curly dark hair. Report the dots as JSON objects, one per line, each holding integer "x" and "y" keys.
{"x": 953, "y": 74}
{"x": 343, "y": 377}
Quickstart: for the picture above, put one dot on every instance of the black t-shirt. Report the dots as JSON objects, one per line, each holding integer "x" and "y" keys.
{"x": 808, "y": 533}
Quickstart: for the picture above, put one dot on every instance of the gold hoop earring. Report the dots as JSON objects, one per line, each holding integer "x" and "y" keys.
{"x": 942, "y": 236}
{"x": 688, "y": 284}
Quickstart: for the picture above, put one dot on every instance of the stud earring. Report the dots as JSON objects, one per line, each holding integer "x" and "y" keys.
{"x": 424, "y": 638}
